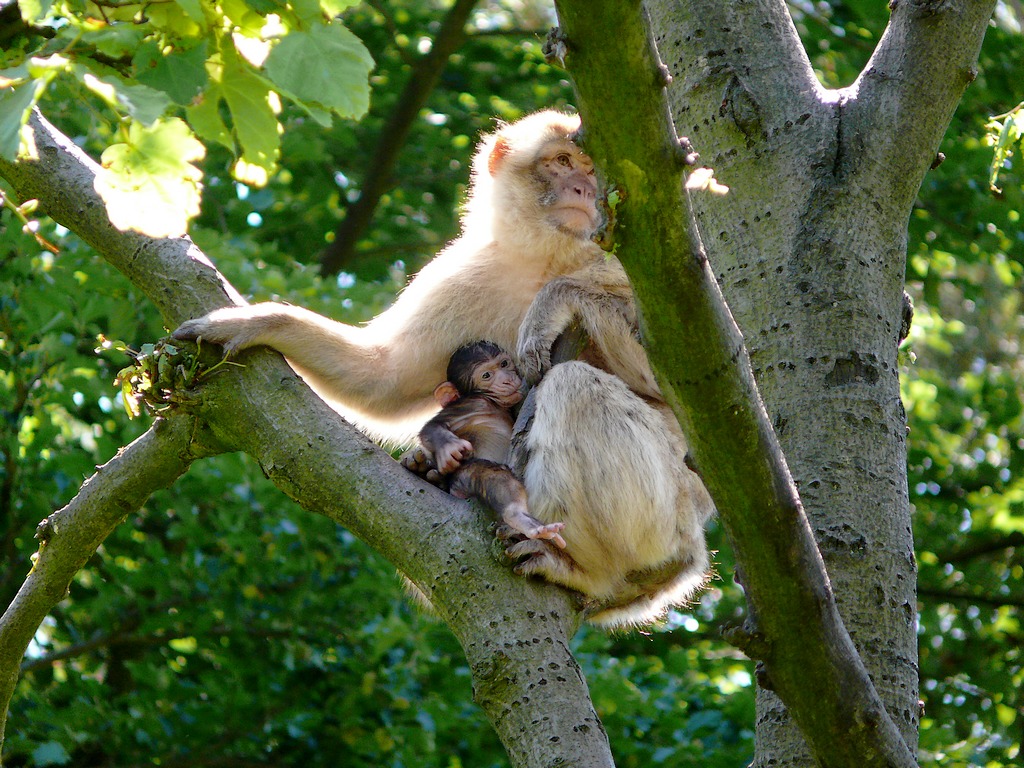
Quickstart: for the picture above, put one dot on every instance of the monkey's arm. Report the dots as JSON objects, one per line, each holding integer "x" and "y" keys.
{"x": 447, "y": 448}
{"x": 600, "y": 299}
{"x": 347, "y": 364}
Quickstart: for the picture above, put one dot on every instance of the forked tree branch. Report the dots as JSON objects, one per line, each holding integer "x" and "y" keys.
{"x": 515, "y": 632}
{"x": 793, "y": 626}
{"x": 70, "y": 536}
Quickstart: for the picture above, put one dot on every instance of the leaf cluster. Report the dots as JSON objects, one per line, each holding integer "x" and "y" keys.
{"x": 167, "y": 78}
{"x": 159, "y": 375}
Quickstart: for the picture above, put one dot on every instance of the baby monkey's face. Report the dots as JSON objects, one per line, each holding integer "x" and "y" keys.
{"x": 498, "y": 379}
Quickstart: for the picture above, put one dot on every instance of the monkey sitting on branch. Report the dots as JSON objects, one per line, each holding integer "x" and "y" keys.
{"x": 605, "y": 454}
{"x": 467, "y": 443}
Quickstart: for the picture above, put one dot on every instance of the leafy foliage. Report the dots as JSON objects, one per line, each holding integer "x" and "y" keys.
{"x": 223, "y": 67}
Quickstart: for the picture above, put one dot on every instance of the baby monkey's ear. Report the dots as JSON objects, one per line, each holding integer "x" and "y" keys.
{"x": 446, "y": 393}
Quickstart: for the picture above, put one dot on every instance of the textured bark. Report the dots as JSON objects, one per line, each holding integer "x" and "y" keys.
{"x": 809, "y": 248}
{"x": 515, "y": 632}
{"x": 793, "y": 624}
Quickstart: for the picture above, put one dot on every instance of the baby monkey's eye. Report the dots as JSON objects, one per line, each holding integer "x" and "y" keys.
{"x": 485, "y": 375}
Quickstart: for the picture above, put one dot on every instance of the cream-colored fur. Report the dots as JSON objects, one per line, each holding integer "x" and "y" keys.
{"x": 605, "y": 455}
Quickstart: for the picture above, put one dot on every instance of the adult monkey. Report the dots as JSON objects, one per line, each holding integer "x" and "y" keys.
{"x": 604, "y": 455}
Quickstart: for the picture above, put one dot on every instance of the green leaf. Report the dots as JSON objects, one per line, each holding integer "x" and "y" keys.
{"x": 149, "y": 183}
{"x": 255, "y": 123}
{"x": 116, "y": 40}
{"x": 33, "y": 11}
{"x": 146, "y": 105}
{"x": 15, "y": 104}
{"x": 143, "y": 103}
{"x": 247, "y": 21}
{"x": 263, "y": 7}
{"x": 1004, "y": 135}
{"x": 180, "y": 74}
{"x": 176, "y": 19}
{"x": 204, "y": 117}
{"x": 327, "y": 65}
{"x": 310, "y": 12}
{"x": 333, "y": 7}
{"x": 194, "y": 10}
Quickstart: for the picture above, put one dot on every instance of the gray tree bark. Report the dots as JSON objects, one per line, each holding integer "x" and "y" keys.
{"x": 809, "y": 248}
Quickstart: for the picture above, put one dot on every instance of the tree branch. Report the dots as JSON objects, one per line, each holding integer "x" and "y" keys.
{"x": 515, "y": 632}
{"x": 979, "y": 546}
{"x": 378, "y": 177}
{"x": 70, "y": 536}
{"x": 705, "y": 373}
{"x": 926, "y": 58}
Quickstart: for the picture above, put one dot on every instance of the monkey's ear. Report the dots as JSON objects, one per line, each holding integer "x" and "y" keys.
{"x": 446, "y": 393}
{"x": 502, "y": 148}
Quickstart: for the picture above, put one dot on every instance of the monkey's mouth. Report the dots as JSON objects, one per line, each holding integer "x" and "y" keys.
{"x": 580, "y": 219}
{"x": 508, "y": 399}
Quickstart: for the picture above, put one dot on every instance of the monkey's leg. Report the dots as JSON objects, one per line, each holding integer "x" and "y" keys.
{"x": 539, "y": 558}
{"x": 611, "y": 467}
{"x": 496, "y": 486}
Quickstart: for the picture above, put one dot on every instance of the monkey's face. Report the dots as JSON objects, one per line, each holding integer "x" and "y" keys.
{"x": 570, "y": 187}
{"x": 498, "y": 379}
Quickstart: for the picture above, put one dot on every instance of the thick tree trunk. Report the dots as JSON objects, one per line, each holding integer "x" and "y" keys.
{"x": 809, "y": 248}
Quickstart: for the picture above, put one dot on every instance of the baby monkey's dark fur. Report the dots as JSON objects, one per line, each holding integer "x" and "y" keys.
{"x": 469, "y": 439}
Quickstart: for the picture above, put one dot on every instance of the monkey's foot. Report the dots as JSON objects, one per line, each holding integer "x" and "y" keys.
{"x": 540, "y": 557}
{"x": 516, "y": 517}
{"x": 418, "y": 462}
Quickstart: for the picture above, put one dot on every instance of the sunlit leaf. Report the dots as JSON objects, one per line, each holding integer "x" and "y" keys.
{"x": 255, "y": 124}
{"x": 15, "y": 104}
{"x": 204, "y": 117}
{"x": 33, "y": 11}
{"x": 144, "y": 104}
{"x": 148, "y": 181}
{"x": 327, "y": 65}
{"x": 333, "y": 7}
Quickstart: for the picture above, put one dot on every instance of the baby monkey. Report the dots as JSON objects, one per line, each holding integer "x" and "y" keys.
{"x": 469, "y": 439}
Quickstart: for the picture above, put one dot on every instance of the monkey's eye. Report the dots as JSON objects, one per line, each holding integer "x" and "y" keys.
{"x": 506, "y": 363}
{"x": 485, "y": 375}
{"x": 563, "y": 159}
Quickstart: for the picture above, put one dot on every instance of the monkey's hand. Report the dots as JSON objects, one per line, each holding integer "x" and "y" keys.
{"x": 553, "y": 310}
{"x": 235, "y": 328}
{"x": 451, "y": 454}
{"x": 534, "y": 357}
